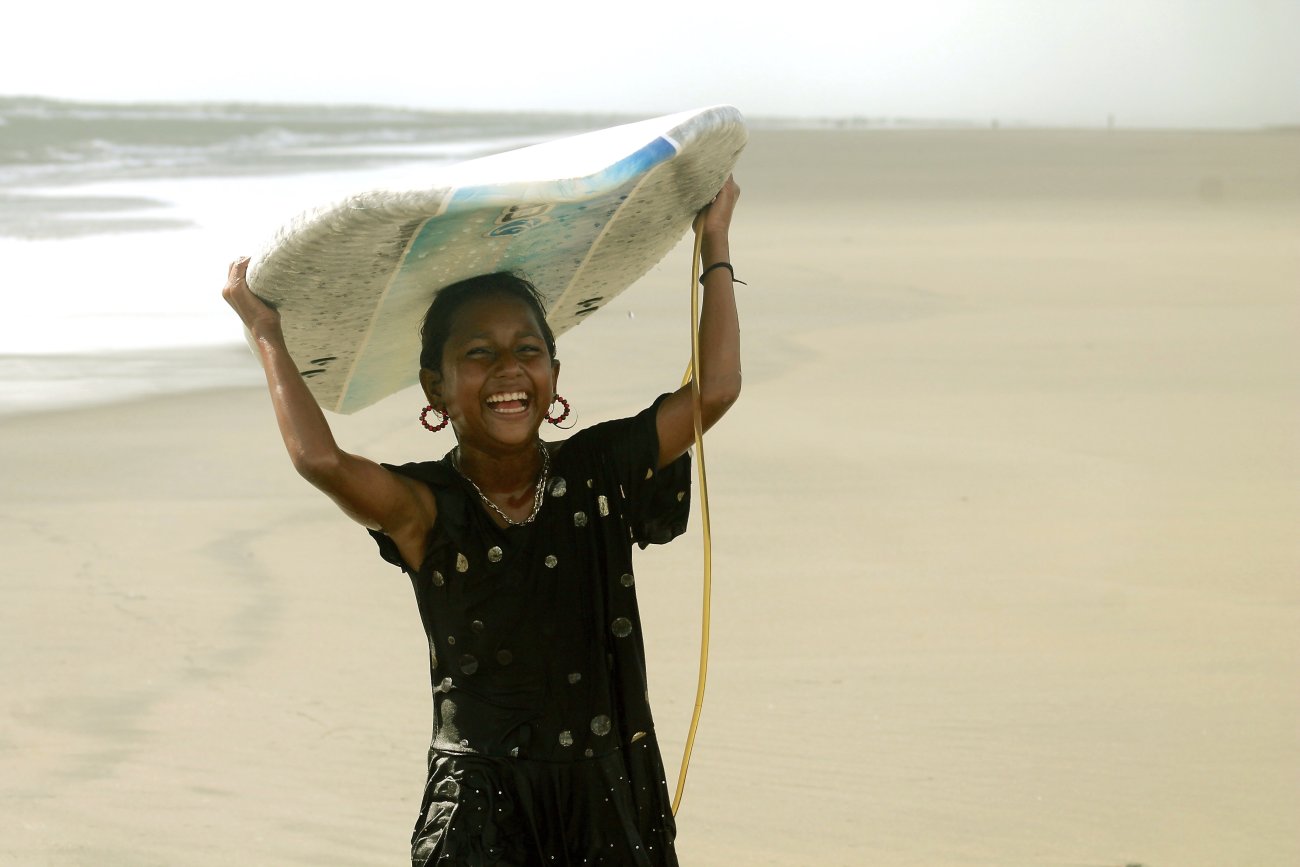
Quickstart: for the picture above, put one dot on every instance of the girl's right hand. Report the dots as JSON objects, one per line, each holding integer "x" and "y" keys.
{"x": 715, "y": 217}
{"x": 258, "y": 317}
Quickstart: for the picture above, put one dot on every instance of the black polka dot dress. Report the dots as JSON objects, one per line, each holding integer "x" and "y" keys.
{"x": 543, "y": 749}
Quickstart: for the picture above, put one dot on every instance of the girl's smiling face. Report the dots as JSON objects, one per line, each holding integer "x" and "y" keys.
{"x": 498, "y": 377}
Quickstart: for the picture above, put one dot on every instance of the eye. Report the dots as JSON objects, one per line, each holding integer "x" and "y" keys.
{"x": 478, "y": 351}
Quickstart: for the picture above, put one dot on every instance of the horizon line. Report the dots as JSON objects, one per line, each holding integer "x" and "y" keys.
{"x": 849, "y": 120}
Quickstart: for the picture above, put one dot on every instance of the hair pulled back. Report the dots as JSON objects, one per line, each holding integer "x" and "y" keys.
{"x": 438, "y": 319}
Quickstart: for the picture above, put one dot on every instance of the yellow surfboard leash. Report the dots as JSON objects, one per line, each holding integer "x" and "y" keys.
{"x": 704, "y": 517}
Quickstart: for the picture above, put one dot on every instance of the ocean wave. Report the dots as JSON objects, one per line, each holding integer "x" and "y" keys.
{"x": 52, "y": 142}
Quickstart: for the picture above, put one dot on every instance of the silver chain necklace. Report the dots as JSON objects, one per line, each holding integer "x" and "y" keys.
{"x": 537, "y": 495}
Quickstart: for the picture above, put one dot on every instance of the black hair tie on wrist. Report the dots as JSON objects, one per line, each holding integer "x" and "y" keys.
{"x": 726, "y": 265}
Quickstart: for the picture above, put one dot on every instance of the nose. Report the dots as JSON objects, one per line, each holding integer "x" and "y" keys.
{"x": 506, "y": 363}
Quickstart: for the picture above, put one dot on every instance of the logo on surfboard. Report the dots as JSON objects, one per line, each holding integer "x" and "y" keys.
{"x": 518, "y": 219}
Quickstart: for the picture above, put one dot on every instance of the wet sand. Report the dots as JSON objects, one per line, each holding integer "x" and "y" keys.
{"x": 1005, "y": 548}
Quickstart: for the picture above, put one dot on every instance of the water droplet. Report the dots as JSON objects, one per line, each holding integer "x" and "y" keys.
{"x": 681, "y": 495}
{"x": 649, "y": 474}
{"x": 602, "y": 505}
{"x": 451, "y": 639}
{"x": 622, "y": 627}
{"x": 462, "y": 565}
{"x": 566, "y": 738}
{"x": 600, "y": 725}
{"x": 468, "y": 664}
{"x": 579, "y": 519}
{"x": 476, "y": 625}
{"x": 559, "y": 487}
{"x": 550, "y": 561}
{"x": 494, "y": 554}
{"x": 636, "y": 737}
{"x": 575, "y": 676}
{"x": 438, "y": 580}
{"x": 626, "y": 579}
{"x": 505, "y": 657}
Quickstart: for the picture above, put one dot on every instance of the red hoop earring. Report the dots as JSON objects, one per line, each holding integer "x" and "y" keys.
{"x": 434, "y": 428}
{"x": 564, "y": 403}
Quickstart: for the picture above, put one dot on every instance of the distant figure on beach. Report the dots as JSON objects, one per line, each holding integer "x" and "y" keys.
{"x": 520, "y": 552}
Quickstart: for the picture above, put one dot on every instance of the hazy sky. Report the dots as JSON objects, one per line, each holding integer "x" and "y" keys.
{"x": 1148, "y": 62}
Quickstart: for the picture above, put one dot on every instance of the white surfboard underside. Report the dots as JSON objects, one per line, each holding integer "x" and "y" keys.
{"x": 582, "y": 217}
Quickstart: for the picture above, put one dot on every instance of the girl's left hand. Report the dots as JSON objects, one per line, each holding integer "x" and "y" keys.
{"x": 715, "y": 217}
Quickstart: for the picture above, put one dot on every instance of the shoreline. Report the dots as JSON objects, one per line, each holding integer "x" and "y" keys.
{"x": 32, "y": 384}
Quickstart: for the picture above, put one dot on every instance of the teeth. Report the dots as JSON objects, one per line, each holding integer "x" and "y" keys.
{"x": 514, "y": 395}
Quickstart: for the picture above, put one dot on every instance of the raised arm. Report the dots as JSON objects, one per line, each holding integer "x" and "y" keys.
{"x": 719, "y": 359}
{"x": 367, "y": 492}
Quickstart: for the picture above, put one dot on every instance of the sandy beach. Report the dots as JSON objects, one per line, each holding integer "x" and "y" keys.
{"x": 1004, "y": 542}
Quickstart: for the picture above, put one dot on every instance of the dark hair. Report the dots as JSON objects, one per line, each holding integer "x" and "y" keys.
{"x": 438, "y": 319}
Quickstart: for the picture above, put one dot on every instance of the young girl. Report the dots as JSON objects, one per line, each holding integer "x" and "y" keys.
{"x": 520, "y": 552}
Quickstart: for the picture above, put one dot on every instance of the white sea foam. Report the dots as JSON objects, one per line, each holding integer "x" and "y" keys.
{"x": 122, "y": 290}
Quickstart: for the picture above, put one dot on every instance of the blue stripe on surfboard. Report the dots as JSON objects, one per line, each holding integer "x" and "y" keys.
{"x": 546, "y": 246}
{"x": 632, "y": 166}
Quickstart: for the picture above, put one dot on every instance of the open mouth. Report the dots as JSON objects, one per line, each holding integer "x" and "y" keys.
{"x": 508, "y": 402}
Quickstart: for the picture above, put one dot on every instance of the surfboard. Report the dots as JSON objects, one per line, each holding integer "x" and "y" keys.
{"x": 582, "y": 217}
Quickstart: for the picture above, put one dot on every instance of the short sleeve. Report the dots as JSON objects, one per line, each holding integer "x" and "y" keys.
{"x": 438, "y": 477}
{"x": 388, "y": 549}
{"x": 658, "y": 501}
